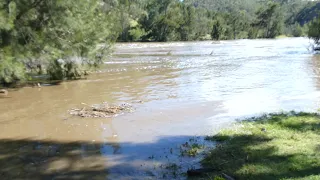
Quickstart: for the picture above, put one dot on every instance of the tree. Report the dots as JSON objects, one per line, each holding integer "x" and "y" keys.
{"x": 163, "y": 20}
{"x": 269, "y": 20}
{"x": 45, "y": 31}
{"x": 297, "y": 30}
{"x": 217, "y": 30}
{"x": 314, "y": 31}
{"x": 128, "y": 14}
{"x": 186, "y": 28}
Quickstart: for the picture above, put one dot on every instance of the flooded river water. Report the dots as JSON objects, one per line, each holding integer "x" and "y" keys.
{"x": 187, "y": 89}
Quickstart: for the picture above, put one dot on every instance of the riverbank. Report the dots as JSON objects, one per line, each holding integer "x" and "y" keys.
{"x": 274, "y": 146}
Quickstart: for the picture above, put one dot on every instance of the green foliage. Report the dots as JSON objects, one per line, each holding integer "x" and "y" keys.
{"x": 188, "y": 23}
{"x": 60, "y": 69}
{"x": 50, "y": 30}
{"x": 10, "y": 70}
{"x": 314, "y": 30}
{"x": 216, "y": 30}
{"x": 219, "y": 178}
{"x": 136, "y": 32}
{"x": 175, "y": 20}
{"x": 269, "y": 21}
{"x": 297, "y": 30}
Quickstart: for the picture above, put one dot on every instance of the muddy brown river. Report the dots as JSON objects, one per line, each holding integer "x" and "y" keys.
{"x": 180, "y": 91}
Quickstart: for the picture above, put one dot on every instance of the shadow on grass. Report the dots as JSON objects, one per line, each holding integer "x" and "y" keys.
{"x": 275, "y": 146}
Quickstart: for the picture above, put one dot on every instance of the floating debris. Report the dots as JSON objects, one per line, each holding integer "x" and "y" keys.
{"x": 4, "y": 92}
{"x": 103, "y": 110}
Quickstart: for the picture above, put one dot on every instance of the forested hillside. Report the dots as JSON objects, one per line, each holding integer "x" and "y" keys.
{"x": 172, "y": 20}
{"x": 308, "y": 13}
{"x": 226, "y": 6}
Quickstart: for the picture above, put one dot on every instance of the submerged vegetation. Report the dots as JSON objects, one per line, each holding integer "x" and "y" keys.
{"x": 62, "y": 39}
{"x": 275, "y": 146}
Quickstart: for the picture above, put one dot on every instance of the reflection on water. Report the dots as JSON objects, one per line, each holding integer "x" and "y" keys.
{"x": 188, "y": 89}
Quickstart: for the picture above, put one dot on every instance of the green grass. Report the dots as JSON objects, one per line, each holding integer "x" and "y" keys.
{"x": 274, "y": 146}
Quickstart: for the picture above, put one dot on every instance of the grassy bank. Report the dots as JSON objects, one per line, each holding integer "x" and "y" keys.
{"x": 275, "y": 146}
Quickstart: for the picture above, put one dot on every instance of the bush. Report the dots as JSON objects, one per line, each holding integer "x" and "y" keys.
{"x": 314, "y": 30}
{"x": 61, "y": 69}
{"x": 11, "y": 71}
{"x": 50, "y": 30}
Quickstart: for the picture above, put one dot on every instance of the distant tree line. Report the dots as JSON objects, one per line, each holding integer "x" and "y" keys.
{"x": 175, "y": 20}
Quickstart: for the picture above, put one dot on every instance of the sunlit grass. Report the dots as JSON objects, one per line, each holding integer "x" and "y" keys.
{"x": 275, "y": 146}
